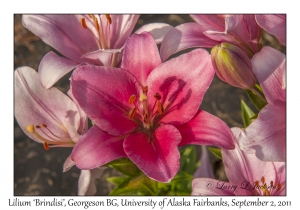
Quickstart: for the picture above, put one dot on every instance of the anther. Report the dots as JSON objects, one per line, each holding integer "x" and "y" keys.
{"x": 96, "y": 24}
{"x": 272, "y": 184}
{"x": 278, "y": 186}
{"x": 157, "y": 96}
{"x": 108, "y": 18}
{"x": 132, "y": 113}
{"x": 160, "y": 108}
{"x": 43, "y": 125}
{"x": 263, "y": 179}
{"x": 83, "y": 23}
{"x": 46, "y": 146}
{"x": 132, "y": 99}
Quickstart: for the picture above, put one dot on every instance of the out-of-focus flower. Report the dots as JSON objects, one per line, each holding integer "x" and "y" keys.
{"x": 86, "y": 182}
{"x": 205, "y": 170}
{"x": 146, "y": 109}
{"x": 210, "y": 30}
{"x": 233, "y": 66}
{"x": 93, "y": 39}
{"x": 46, "y": 116}
{"x": 266, "y": 135}
{"x": 247, "y": 175}
{"x": 274, "y": 24}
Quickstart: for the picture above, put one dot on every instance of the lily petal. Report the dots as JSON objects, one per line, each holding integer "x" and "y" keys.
{"x": 157, "y": 30}
{"x": 106, "y": 104}
{"x": 140, "y": 56}
{"x": 273, "y": 24}
{"x": 244, "y": 169}
{"x": 159, "y": 158}
{"x": 269, "y": 66}
{"x": 68, "y": 164}
{"x": 86, "y": 182}
{"x": 108, "y": 57}
{"x": 96, "y": 148}
{"x": 181, "y": 93}
{"x": 185, "y": 36}
{"x": 208, "y": 186}
{"x": 267, "y": 134}
{"x": 54, "y": 67}
{"x": 122, "y": 27}
{"x": 64, "y": 33}
{"x": 206, "y": 129}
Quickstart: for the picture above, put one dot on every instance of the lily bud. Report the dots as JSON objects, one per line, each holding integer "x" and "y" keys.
{"x": 232, "y": 65}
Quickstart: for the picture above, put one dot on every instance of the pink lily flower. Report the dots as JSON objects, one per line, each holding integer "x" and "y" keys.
{"x": 146, "y": 109}
{"x": 211, "y": 30}
{"x": 266, "y": 136}
{"x": 273, "y": 24}
{"x": 247, "y": 175}
{"x": 46, "y": 116}
{"x": 93, "y": 39}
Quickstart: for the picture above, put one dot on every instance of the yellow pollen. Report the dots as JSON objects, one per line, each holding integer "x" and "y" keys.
{"x": 83, "y": 23}
{"x": 143, "y": 97}
{"x": 108, "y": 18}
{"x": 30, "y": 128}
{"x": 132, "y": 99}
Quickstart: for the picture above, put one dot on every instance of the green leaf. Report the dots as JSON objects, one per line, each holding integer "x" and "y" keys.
{"x": 188, "y": 159}
{"x": 125, "y": 166}
{"x": 257, "y": 102}
{"x": 141, "y": 185}
{"x": 247, "y": 114}
{"x": 117, "y": 180}
{"x": 216, "y": 152}
{"x": 150, "y": 185}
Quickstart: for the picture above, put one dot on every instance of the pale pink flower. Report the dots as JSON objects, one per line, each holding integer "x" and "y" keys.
{"x": 93, "y": 39}
{"x": 266, "y": 135}
{"x": 247, "y": 175}
{"x": 274, "y": 24}
{"x": 209, "y": 30}
{"x": 47, "y": 116}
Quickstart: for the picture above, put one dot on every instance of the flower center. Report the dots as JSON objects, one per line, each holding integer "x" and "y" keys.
{"x": 103, "y": 30}
{"x": 266, "y": 189}
{"x": 43, "y": 133}
{"x": 146, "y": 117}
